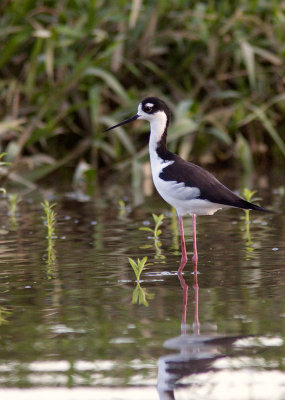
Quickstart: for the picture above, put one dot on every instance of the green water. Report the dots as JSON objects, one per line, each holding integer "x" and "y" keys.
{"x": 68, "y": 321}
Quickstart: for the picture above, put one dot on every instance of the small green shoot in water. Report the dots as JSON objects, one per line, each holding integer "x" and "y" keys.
{"x": 158, "y": 221}
{"x": 122, "y": 208}
{"x": 138, "y": 266}
{"x": 50, "y": 218}
{"x": 50, "y": 223}
{"x": 13, "y": 202}
{"x": 140, "y": 295}
{"x": 249, "y": 196}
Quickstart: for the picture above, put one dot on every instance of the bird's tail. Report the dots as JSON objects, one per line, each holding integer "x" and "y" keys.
{"x": 246, "y": 205}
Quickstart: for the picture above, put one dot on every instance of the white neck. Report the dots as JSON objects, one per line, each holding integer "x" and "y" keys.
{"x": 157, "y": 128}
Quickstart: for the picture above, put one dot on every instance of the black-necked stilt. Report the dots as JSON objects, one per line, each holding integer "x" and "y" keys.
{"x": 189, "y": 188}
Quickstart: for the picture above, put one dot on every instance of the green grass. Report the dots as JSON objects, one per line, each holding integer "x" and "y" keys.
{"x": 70, "y": 69}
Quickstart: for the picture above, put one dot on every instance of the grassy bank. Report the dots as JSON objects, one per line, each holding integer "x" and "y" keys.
{"x": 68, "y": 69}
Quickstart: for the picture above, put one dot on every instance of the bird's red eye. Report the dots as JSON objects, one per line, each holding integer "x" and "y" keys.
{"x": 147, "y": 108}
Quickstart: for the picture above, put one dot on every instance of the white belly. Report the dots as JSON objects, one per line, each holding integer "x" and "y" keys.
{"x": 183, "y": 198}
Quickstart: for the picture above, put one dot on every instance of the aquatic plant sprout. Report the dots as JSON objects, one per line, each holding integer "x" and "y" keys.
{"x": 140, "y": 295}
{"x": 138, "y": 266}
{"x": 50, "y": 218}
{"x": 156, "y": 232}
{"x": 50, "y": 223}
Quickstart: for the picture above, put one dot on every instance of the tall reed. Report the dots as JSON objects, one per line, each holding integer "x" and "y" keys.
{"x": 68, "y": 70}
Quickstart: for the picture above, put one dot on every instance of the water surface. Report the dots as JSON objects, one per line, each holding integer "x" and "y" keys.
{"x": 68, "y": 320}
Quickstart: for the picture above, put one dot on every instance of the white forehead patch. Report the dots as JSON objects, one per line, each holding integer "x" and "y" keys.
{"x": 149, "y": 104}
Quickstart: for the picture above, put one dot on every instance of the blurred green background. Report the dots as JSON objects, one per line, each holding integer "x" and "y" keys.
{"x": 71, "y": 68}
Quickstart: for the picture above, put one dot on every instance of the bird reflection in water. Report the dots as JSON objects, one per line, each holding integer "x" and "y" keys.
{"x": 195, "y": 354}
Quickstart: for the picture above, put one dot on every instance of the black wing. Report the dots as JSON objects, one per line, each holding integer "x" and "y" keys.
{"x": 210, "y": 188}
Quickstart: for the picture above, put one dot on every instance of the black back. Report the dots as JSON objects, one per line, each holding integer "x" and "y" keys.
{"x": 210, "y": 188}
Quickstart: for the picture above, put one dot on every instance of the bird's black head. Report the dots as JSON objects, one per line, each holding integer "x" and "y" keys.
{"x": 150, "y": 109}
{"x": 152, "y": 105}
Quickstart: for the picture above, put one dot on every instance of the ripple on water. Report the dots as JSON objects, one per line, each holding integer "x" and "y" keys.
{"x": 68, "y": 316}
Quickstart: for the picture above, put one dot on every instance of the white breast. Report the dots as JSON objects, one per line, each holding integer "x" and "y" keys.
{"x": 183, "y": 198}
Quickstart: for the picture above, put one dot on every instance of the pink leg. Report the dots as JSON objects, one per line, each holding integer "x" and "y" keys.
{"x": 183, "y": 247}
{"x": 184, "y": 304}
{"x": 196, "y": 290}
{"x": 195, "y": 255}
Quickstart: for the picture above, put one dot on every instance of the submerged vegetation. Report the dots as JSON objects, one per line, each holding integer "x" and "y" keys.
{"x": 71, "y": 68}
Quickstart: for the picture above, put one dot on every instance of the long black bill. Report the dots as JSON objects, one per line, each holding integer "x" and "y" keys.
{"x": 123, "y": 122}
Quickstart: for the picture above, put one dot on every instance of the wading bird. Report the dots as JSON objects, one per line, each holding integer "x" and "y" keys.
{"x": 189, "y": 188}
